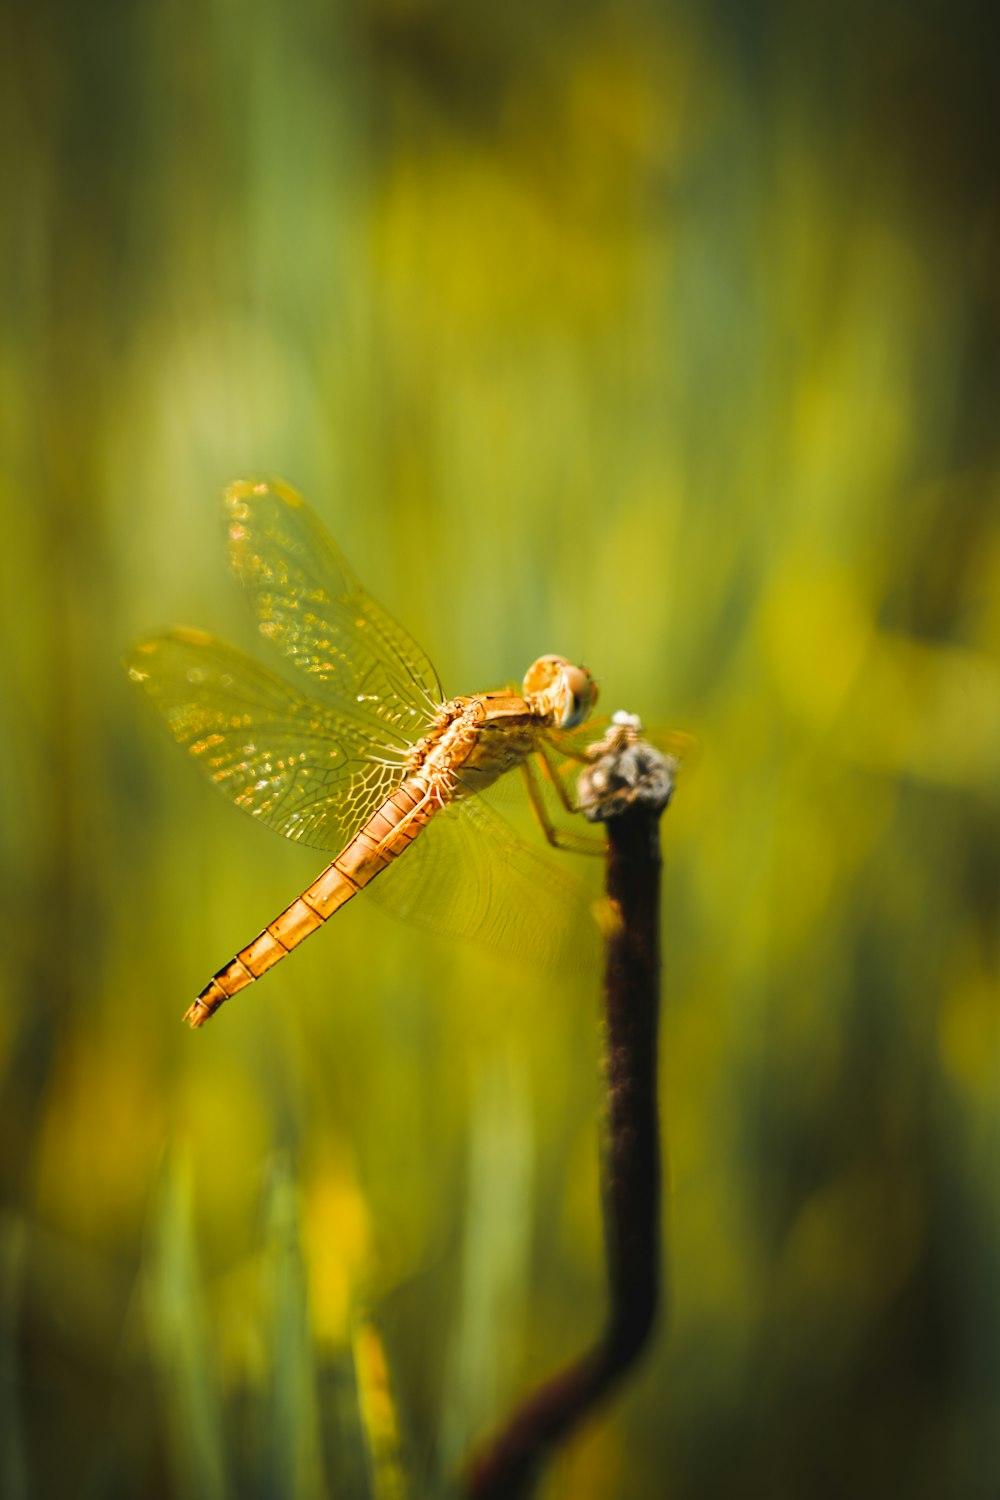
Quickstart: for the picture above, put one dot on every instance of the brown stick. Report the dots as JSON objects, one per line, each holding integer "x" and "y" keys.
{"x": 627, "y": 789}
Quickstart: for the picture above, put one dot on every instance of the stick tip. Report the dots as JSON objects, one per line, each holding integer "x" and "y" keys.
{"x": 627, "y": 773}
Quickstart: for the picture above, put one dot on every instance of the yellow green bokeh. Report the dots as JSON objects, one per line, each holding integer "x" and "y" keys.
{"x": 666, "y": 338}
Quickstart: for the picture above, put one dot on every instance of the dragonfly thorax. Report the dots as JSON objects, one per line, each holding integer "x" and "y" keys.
{"x": 446, "y": 743}
{"x": 555, "y": 687}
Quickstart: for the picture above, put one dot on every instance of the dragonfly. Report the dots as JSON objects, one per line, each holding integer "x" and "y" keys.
{"x": 367, "y": 759}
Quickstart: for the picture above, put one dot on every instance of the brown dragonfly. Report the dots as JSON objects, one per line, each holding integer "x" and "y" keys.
{"x": 368, "y": 758}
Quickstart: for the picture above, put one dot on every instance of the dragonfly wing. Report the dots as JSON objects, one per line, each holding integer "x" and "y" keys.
{"x": 572, "y": 743}
{"x": 310, "y": 604}
{"x": 307, "y": 769}
{"x": 470, "y": 875}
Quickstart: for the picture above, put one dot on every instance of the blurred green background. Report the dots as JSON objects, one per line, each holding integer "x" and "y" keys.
{"x": 667, "y": 337}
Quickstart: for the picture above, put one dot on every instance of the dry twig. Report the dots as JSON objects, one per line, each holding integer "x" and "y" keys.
{"x": 627, "y": 788}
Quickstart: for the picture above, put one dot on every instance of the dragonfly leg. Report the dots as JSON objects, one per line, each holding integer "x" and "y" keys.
{"x": 557, "y": 776}
{"x": 559, "y": 838}
{"x": 566, "y": 742}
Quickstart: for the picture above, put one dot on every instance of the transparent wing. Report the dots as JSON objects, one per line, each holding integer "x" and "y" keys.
{"x": 573, "y": 744}
{"x": 469, "y": 875}
{"x": 685, "y": 748}
{"x": 310, "y": 604}
{"x": 310, "y": 770}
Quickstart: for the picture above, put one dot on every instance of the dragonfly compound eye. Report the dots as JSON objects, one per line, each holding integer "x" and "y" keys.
{"x": 567, "y": 691}
{"x": 582, "y": 695}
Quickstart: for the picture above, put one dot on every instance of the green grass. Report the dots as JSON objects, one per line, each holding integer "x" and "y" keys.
{"x": 666, "y": 339}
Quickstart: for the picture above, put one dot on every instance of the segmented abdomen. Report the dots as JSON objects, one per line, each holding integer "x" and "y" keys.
{"x": 386, "y": 834}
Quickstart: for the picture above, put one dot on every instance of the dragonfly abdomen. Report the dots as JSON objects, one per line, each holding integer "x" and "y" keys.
{"x": 386, "y": 834}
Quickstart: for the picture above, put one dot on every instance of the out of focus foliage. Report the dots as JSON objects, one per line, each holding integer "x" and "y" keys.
{"x": 662, "y": 336}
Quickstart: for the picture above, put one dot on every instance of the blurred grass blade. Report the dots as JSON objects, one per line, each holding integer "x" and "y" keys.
{"x": 179, "y": 1341}
{"x": 13, "y": 1468}
{"x": 293, "y": 1445}
{"x": 379, "y": 1415}
{"x": 341, "y": 1424}
{"x": 496, "y": 1249}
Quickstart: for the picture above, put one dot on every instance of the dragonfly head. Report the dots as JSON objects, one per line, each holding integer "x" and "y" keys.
{"x": 561, "y": 689}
